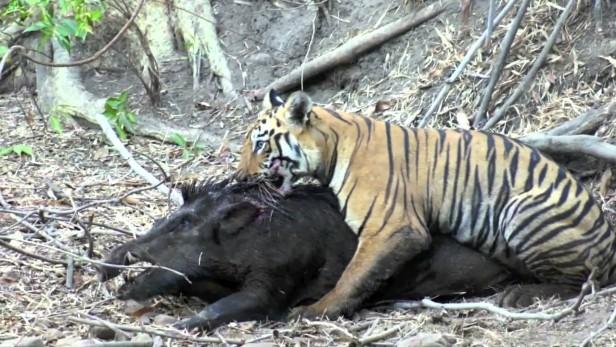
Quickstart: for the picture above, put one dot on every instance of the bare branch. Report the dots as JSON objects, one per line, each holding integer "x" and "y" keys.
{"x": 573, "y": 144}
{"x": 96, "y": 262}
{"x": 31, "y": 255}
{"x": 586, "y": 122}
{"x": 530, "y": 76}
{"x": 172, "y": 333}
{"x": 499, "y": 64}
{"x": 603, "y": 328}
{"x": 458, "y": 71}
{"x": 78, "y": 62}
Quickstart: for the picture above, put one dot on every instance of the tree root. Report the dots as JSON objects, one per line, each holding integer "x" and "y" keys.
{"x": 63, "y": 88}
{"x": 200, "y": 37}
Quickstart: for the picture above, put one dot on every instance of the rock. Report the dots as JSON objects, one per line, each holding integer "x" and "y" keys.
{"x": 158, "y": 342}
{"x": 144, "y": 340}
{"x": 260, "y": 58}
{"x": 23, "y": 342}
{"x": 75, "y": 342}
{"x": 103, "y": 333}
{"x": 428, "y": 340}
{"x": 52, "y": 335}
{"x": 164, "y": 319}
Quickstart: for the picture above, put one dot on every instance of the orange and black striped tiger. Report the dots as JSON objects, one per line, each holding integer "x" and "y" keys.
{"x": 398, "y": 185}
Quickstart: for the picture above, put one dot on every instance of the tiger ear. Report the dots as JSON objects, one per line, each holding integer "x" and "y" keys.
{"x": 298, "y": 107}
{"x": 272, "y": 99}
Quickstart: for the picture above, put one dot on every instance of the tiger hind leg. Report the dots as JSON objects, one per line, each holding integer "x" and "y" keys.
{"x": 523, "y": 295}
{"x": 377, "y": 258}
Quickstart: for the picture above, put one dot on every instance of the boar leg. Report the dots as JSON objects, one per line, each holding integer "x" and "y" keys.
{"x": 209, "y": 290}
{"x": 241, "y": 306}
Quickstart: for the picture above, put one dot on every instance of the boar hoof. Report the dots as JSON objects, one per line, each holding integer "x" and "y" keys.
{"x": 305, "y": 312}
{"x": 191, "y": 323}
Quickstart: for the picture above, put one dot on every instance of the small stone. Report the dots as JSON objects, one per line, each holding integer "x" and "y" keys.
{"x": 164, "y": 319}
{"x": 260, "y": 59}
{"x": 158, "y": 342}
{"x": 103, "y": 333}
{"x": 74, "y": 342}
{"x": 52, "y": 335}
{"x": 144, "y": 340}
{"x": 428, "y": 340}
{"x": 23, "y": 342}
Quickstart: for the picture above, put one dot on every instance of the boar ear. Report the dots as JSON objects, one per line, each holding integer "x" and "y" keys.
{"x": 236, "y": 216}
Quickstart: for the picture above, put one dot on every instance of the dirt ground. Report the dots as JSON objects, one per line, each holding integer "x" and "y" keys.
{"x": 264, "y": 40}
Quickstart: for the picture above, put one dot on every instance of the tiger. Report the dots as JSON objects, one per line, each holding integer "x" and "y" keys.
{"x": 397, "y": 186}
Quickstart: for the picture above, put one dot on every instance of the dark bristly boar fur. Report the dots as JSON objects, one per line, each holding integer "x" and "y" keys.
{"x": 254, "y": 260}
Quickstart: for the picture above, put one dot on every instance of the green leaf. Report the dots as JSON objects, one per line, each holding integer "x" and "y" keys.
{"x": 123, "y": 97}
{"x": 96, "y": 15}
{"x": 22, "y": 149}
{"x": 113, "y": 104}
{"x": 56, "y": 124}
{"x": 66, "y": 27}
{"x": 65, "y": 42}
{"x": 36, "y": 27}
{"x": 121, "y": 133}
{"x": 5, "y": 150}
{"x": 178, "y": 139}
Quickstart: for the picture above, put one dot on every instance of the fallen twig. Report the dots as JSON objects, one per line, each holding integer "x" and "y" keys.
{"x": 458, "y": 71}
{"x": 172, "y": 333}
{"x": 530, "y": 76}
{"x": 379, "y": 336}
{"x": 96, "y": 262}
{"x": 345, "y": 333}
{"x": 573, "y": 144}
{"x": 352, "y": 48}
{"x": 31, "y": 255}
{"x": 596, "y": 333}
{"x": 490, "y": 21}
{"x": 586, "y": 122}
{"x": 499, "y": 64}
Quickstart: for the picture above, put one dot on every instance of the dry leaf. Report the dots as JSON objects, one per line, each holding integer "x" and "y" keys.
{"x": 131, "y": 200}
{"x": 382, "y": 105}
{"x": 605, "y": 181}
{"x": 462, "y": 119}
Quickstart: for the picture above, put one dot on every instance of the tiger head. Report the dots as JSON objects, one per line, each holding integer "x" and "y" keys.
{"x": 284, "y": 141}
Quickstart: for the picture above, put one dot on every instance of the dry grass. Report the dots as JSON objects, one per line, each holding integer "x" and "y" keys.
{"x": 35, "y": 301}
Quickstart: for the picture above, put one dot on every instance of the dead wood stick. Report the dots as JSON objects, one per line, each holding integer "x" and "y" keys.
{"x": 596, "y": 333}
{"x": 379, "y": 336}
{"x": 458, "y": 71}
{"x": 96, "y": 262}
{"x": 344, "y": 332}
{"x": 486, "y": 306}
{"x": 573, "y": 144}
{"x": 31, "y": 255}
{"x": 586, "y": 122}
{"x": 490, "y": 21}
{"x": 353, "y": 48}
{"x": 499, "y": 64}
{"x": 174, "y": 334}
{"x": 530, "y": 76}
